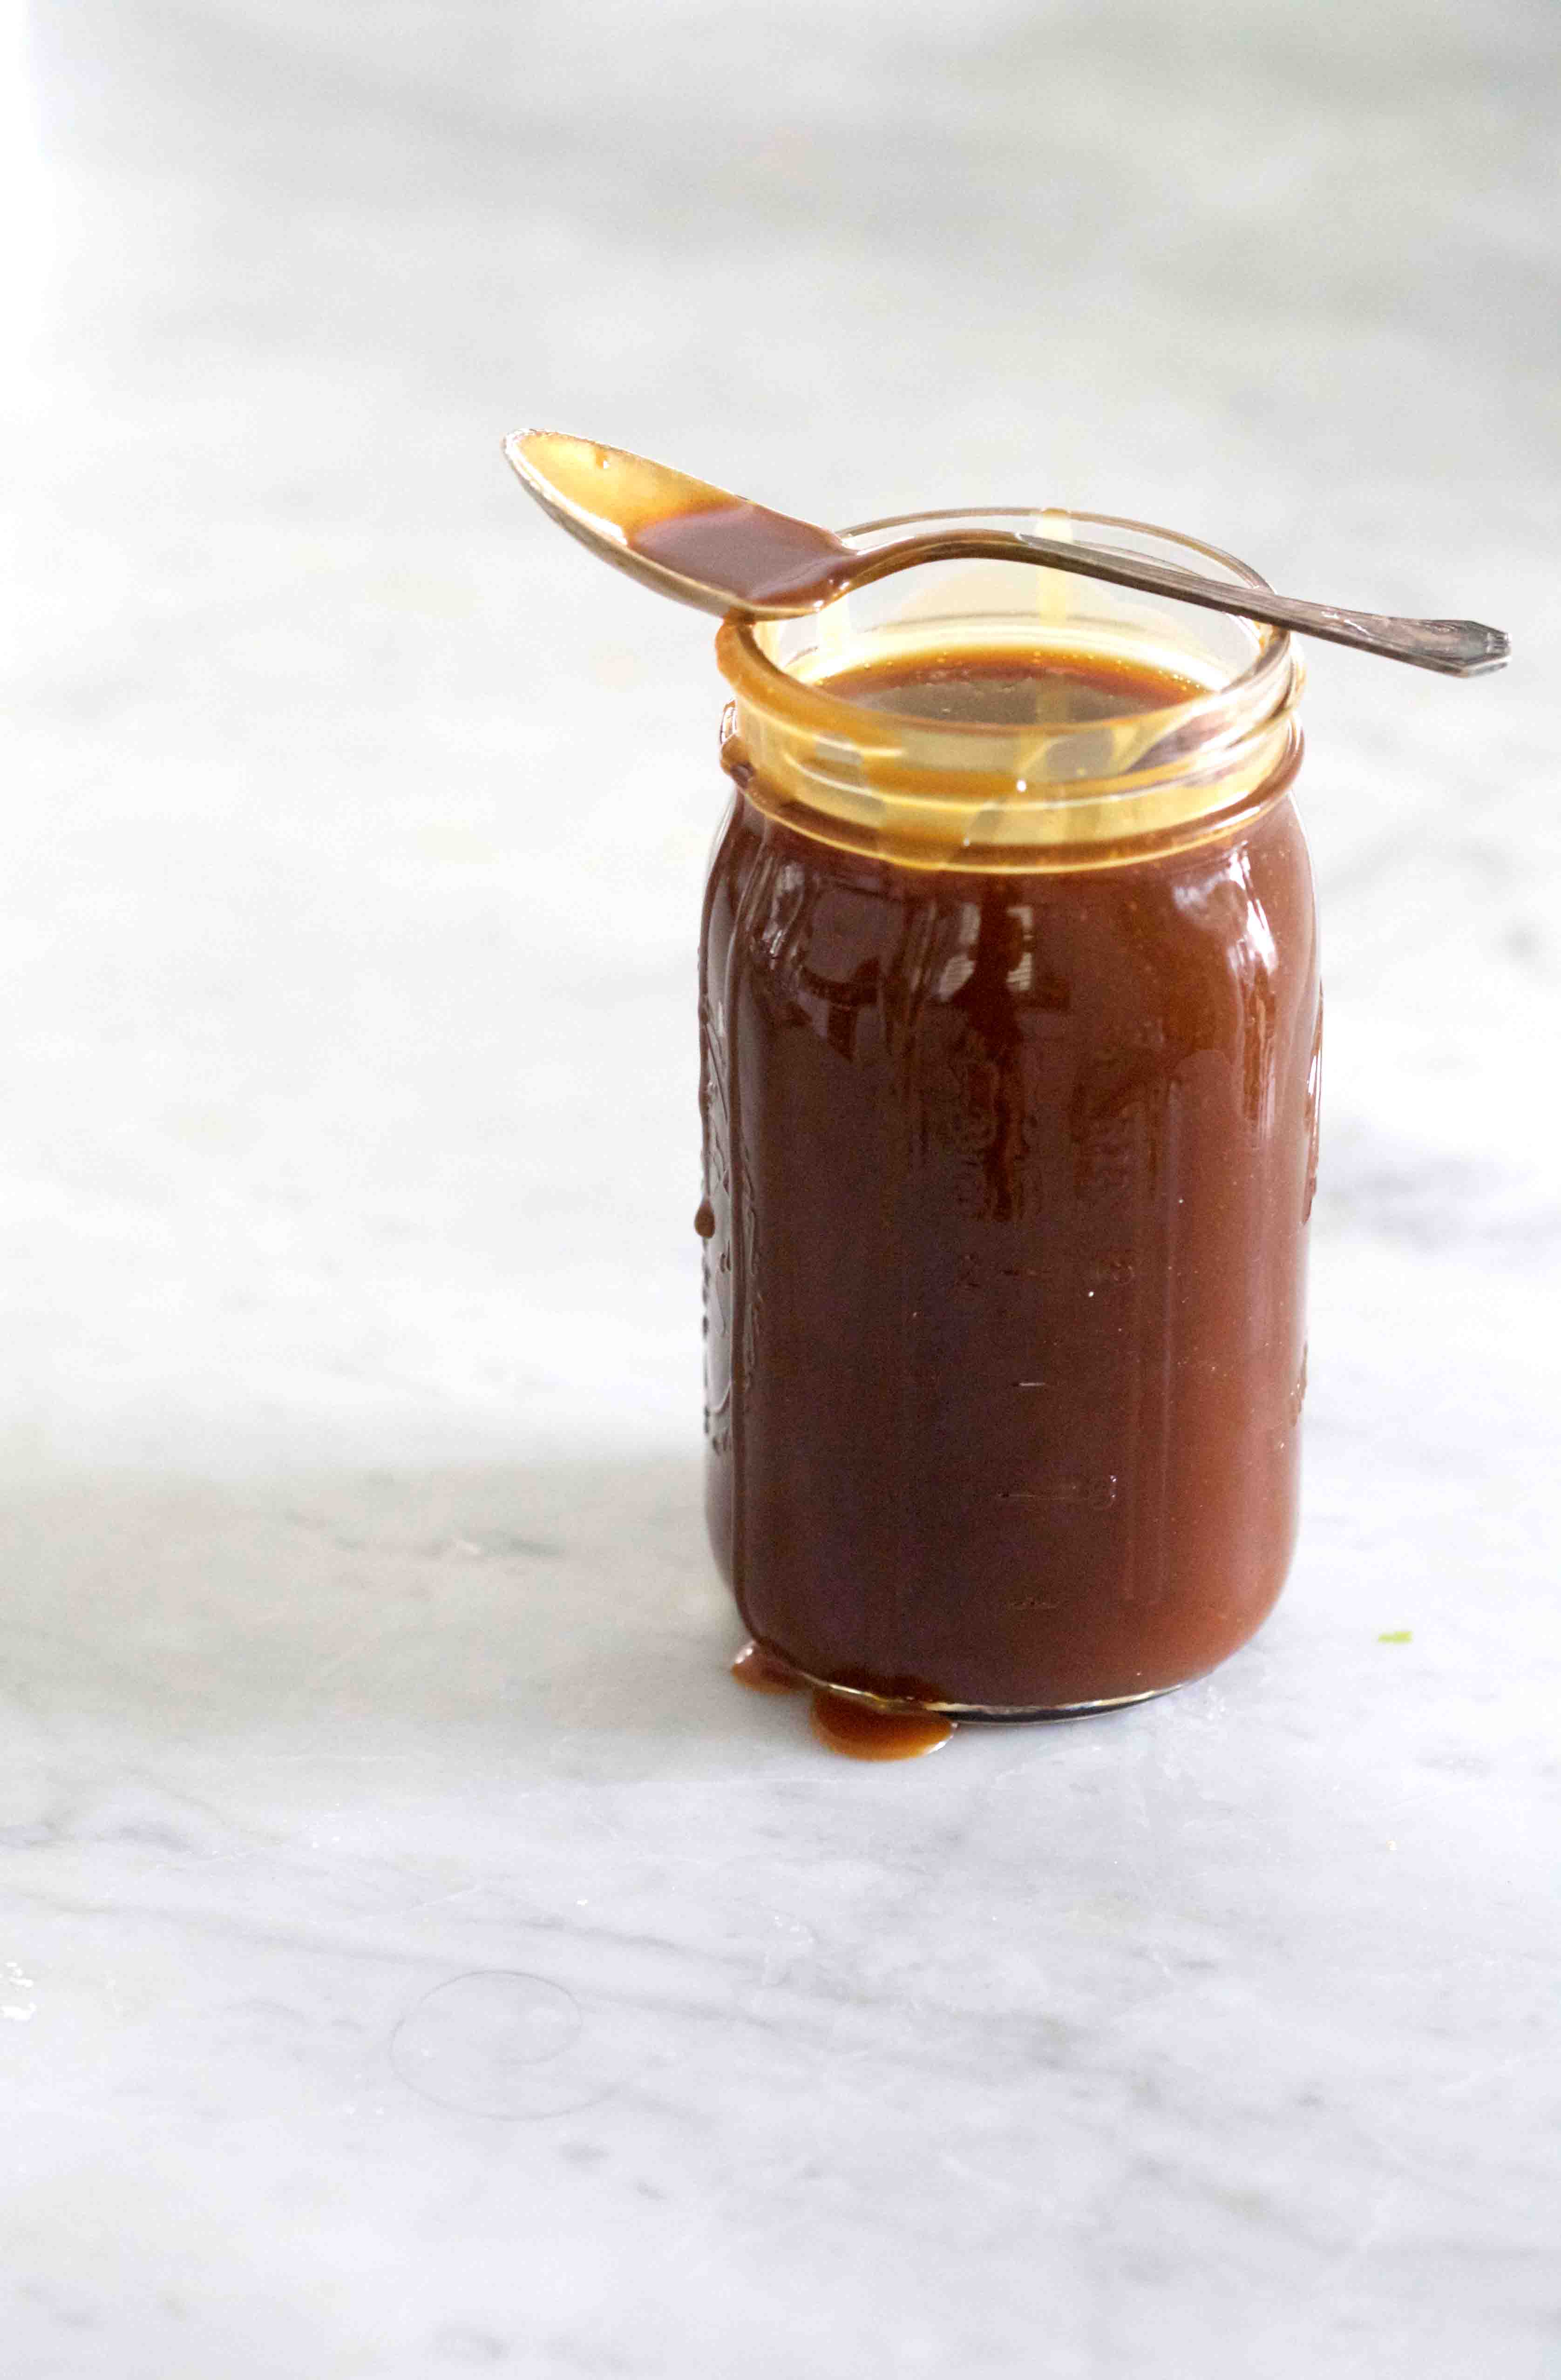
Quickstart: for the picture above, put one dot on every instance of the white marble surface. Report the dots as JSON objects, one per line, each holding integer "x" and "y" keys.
{"x": 417, "y": 1959}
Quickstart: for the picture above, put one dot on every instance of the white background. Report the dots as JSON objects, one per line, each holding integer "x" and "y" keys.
{"x": 349, "y": 869}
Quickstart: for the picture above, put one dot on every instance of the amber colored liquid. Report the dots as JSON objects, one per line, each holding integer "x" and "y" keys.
{"x": 757, "y": 555}
{"x": 1000, "y": 689}
{"x": 1006, "y": 1178}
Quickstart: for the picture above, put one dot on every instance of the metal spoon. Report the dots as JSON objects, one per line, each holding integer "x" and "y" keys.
{"x": 723, "y": 555}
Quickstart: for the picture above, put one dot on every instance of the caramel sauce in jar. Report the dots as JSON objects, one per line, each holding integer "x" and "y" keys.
{"x": 1009, "y": 1092}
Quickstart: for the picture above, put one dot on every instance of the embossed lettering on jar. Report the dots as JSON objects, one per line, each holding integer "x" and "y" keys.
{"x": 1010, "y": 1024}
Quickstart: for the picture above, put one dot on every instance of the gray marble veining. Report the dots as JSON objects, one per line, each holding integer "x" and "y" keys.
{"x": 417, "y": 1958}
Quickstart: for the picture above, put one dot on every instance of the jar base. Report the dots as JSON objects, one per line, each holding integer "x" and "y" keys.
{"x": 999, "y": 1712}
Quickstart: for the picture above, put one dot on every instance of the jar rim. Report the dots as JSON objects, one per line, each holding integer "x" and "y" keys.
{"x": 808, "y": 704}
{"x": 985, "y": 792}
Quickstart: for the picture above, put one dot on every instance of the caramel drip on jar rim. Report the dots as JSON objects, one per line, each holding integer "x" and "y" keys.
{"x": 1209, "y": 749}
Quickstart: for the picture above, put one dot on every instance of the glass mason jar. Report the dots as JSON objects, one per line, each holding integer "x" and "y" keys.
{"x": 1011, "y": 1038}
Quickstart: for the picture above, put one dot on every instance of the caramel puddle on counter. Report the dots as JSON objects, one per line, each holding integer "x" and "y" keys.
{"x": 845, "y": 1725}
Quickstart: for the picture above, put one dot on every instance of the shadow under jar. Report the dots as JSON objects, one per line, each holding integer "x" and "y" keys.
{"x": 1010, "y": 1032}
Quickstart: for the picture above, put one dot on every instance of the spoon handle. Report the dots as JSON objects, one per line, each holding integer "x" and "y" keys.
{"x": 1457, "y": 647}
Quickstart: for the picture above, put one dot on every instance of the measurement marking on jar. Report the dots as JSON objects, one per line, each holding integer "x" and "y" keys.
{"x": 1098, "y": 1495}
